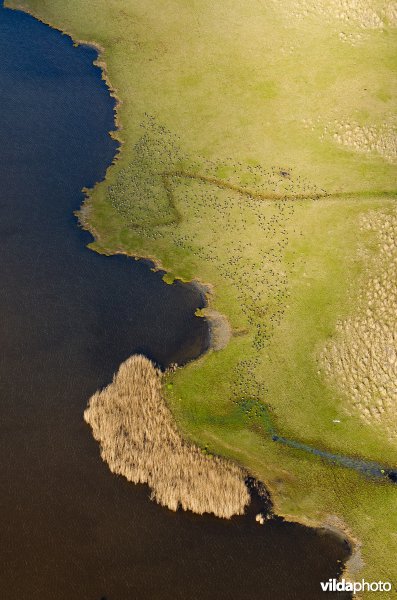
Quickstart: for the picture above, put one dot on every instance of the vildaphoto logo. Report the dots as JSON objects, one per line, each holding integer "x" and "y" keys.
{"x": 333, "y": 585}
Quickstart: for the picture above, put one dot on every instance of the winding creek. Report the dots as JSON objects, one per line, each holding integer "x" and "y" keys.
{"x": 68, "y": 318}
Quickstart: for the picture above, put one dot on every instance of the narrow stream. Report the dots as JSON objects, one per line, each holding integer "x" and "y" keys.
{"x": 257, "y": 410}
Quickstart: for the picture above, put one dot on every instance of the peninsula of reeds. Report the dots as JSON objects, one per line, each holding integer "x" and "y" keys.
{"x": 139, "y": 440}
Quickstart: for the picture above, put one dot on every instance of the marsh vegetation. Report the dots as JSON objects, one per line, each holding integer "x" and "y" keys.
{"x": 254, "y": 100}
{"x": 139, "y": 440}
{"x": 362, "y": 359}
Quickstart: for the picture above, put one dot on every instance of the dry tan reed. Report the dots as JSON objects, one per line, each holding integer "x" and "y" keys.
{"x": 138, "y": 438}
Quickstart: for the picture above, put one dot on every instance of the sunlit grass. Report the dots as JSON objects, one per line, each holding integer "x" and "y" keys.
{"x": 245, "y": 91}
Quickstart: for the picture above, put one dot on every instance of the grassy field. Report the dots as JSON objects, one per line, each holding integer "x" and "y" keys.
{"x": 256, "y": 138}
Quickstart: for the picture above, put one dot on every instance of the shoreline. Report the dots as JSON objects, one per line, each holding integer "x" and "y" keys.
{"x": 220, "y": 328}
{"x": 83, "y": 221}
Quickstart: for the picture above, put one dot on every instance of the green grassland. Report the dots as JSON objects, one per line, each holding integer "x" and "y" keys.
{"x": 227, "y": 175}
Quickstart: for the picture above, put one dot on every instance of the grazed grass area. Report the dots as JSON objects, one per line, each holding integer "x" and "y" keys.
{"x": 252, "y": 94}
{"x": 139, "y": 440}
{"x": 363, "y": 359}
{"x": 364, "y": 14}
{"x": 367, "y": 139}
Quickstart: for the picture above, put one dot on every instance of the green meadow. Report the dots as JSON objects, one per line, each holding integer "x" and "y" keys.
{"x": 236, "y": 170}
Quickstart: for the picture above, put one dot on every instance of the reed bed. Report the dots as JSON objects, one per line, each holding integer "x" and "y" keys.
{"x": 139, "y": 440}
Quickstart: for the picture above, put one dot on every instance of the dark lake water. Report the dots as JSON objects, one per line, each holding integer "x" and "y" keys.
{"x": 70, "y": 530}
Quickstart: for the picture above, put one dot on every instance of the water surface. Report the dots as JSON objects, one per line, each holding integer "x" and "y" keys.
{"x": 68, "y": 317}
